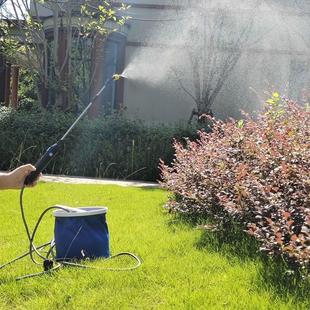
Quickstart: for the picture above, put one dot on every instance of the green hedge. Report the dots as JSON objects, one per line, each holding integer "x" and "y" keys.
{"x": 112, "y": 147}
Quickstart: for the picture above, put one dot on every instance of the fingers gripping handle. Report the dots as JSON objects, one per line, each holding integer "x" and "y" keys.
{"x": 42, "y": 163}
{"x": 31, "y": 178}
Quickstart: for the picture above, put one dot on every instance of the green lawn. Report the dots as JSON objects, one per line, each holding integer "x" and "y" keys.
{"x": 183, "y": 268}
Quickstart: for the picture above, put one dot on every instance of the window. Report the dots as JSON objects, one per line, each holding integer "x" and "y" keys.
{"x": 114, "y": 53}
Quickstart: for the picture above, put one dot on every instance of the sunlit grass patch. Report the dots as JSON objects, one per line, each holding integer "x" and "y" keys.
{"x": 183, "y": 267}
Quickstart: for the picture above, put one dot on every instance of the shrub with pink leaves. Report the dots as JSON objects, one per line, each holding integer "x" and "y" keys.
{"x": 254, "y": 171}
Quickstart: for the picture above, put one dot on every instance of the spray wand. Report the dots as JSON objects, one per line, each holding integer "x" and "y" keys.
{"x": 53, "y": 149}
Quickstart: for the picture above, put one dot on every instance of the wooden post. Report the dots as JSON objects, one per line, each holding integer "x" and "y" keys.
{"x": 2, "y": 77}
{"x": 7, "y": 84}
{"x": 15, "y": 76}
{"x": 97, "y": 73}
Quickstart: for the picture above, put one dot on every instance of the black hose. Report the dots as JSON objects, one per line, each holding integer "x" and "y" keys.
{"x": 23, "y": 255}
{"x": 54, "y": 264}
{"x": 32, "y": 247}
{"x": 31, "y": 244}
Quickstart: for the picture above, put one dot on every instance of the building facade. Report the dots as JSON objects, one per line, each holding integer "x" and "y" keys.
{"x": 158, "y": 44}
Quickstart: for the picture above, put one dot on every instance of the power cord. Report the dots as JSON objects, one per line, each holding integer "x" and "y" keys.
{"x": 50, "y": 263}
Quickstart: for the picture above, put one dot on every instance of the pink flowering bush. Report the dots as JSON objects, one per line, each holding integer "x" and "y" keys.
{"x": 254, "y": 171}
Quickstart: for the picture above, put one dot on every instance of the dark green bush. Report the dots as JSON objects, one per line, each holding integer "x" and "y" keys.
{"x": 111, "y": 147}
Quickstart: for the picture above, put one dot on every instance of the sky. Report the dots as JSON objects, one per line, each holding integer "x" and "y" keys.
{"x": 6, "y": 9}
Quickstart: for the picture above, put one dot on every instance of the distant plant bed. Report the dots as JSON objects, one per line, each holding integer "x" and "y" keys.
{"x": 255, "y": 172}
{"x": 108, "y": 147}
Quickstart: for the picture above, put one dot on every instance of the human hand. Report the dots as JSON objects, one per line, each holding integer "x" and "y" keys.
{"x": 15, "y": 179}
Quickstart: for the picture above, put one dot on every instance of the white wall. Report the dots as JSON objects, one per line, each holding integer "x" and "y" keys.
{"x": 265, "y": 67}
{"x": 155, "y": 96}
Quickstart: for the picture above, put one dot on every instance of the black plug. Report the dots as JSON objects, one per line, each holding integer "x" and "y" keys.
{"x": 48, "y": 264}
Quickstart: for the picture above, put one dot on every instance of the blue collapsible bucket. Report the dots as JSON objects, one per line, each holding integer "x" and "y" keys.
{"x": 81, "y": 233}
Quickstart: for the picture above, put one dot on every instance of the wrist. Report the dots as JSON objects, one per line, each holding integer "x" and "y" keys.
{"x": 6, "y": 181}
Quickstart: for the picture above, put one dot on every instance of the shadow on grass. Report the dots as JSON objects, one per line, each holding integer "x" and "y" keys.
{"x": 149, "y": 188}
{"x": 234, "y": 243}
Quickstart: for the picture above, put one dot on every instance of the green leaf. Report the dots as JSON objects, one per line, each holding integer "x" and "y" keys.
{"x": 240, "y": 124}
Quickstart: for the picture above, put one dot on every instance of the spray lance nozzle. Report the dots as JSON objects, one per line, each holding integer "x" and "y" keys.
{"x": 117, "y": 77}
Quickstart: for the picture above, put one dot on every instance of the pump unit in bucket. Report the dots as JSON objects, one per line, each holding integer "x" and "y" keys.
{"x": 79, "y": 233}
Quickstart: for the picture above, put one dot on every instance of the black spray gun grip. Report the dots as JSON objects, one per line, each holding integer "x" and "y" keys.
{"x": 43, "y": 162}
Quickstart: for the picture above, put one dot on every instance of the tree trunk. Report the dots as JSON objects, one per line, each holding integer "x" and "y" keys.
{"x": 15, "y": 79}
{"x": 202, "y": 113}
{"x": 43, "y": 93}
{"x": 7, "y": 85}
{"x": 97, "y": 73}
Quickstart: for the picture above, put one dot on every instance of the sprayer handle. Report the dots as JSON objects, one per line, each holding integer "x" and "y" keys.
{"x": 42, "y": 163}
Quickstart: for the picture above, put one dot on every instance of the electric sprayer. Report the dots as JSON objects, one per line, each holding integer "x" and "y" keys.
{"x": 79, "y": 233}
{"x": 52, "y": 150}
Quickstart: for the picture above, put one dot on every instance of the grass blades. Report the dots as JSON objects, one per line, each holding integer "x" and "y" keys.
{"x": 183, "y": 267}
